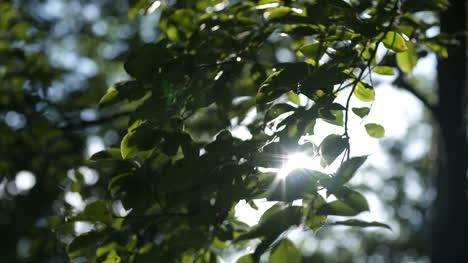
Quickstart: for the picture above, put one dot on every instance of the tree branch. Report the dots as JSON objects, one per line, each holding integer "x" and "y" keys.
{"x": 402, "y": 83}
{"x": 85, "y": 124}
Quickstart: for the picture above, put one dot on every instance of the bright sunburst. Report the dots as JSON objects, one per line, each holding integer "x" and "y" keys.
{"x": 298, "y": 160}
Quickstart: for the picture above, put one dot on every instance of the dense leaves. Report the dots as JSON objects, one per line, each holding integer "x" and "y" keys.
{"x": 180, "y": 168}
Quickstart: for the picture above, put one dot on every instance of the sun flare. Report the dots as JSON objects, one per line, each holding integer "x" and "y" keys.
{"x": 298, "y": 160}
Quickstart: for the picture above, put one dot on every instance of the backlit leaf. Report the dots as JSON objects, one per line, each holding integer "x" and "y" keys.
{"x": 395, "y": 42}
{"x": 375, "y": 130}
{"x": 407, "y": 60}
{"x": 246, "y": 259}
{"x": 286, "y": 251}
{"x": 364, "y": 92}
{"x": 383, "y": 70}
{"x": 361, "y": 112}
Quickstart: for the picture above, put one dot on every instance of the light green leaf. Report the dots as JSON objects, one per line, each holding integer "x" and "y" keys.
{"x": 286, "y": 251}
{"x": 313, "y": 220}
{"x": 246, "y": 259}
{"x": 110, "y": 97}
{"x": 395, "y": 42}
{"x": 383, "y": 70}
{"x": 339, "y": 118}
{"x": 364, "y": 92}
{"x": 127, "y": 90}
{"x": 112, "y": 257}
{"x": 361, "y": 112}
{"x": 359, "y": 223}
{"x": 407, "y": 60}
{"x": 294, "y": 98}
{"x": 278, "y": 12}
{"x": 375, "y": 130}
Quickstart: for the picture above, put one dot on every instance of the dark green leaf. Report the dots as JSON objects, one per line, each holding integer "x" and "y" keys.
{"x": 338, "y": 208}
{"x": 352, "y": 198}
{"x": 277, "y": 110}
{"x": 314, "y": 51}
{"x": 111, "y": 153}
{"x": 331, "y": 147}
{"x": 347, "y": 170}
{"x": 97, "y": 211}
{"x": 275, "y": 223}
{"x": 359, "y": 223}
{"x": 84, "y": 245}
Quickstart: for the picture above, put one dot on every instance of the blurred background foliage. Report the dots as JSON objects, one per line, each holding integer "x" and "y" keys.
{"x": 58, "y": 59}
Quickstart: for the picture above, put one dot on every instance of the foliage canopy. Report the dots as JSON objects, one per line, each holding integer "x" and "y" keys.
{"x": 180, "y": 169}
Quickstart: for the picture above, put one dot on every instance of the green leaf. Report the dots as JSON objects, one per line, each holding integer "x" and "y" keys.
{"x": 286, "y": 251}
{"x": 127, "y": 90}
{"x": 360, "y": 223}
{"x": 298, "y": 184}
{"x": 395, "y": 42}
{"x": 111, "y": 153}
{"x": 375, "y": 130}
{"x": 313, "y": 220}
{"x": 352, "y": 198}
{"x": 313, "y": 51}
{"x": 278, "y": 12}
{"x": 331, "y": 147}
{"x": 274, "y": 224}
{"x": 347, "y": 170}
{"x": 338, "y": 118}
{"x": 246, "y": 259}
{"x": 97, "y": 211}
{"x": 407, "y": 60}
{"x": 139, "y": 141}
{"x": 383, "y": 70}
{"x": 338, "y": 208}
{"x": 112, "y": 257}
{"x": 294, "y": 98}
{"x": 277, "y": 110}
{"x": 361, "y": 112}
{"x": 364, "y": 92}
{"x": 85, "y": 244}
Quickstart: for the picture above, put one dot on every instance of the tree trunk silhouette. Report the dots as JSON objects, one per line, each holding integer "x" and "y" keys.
{"x": 450, "y": 235}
